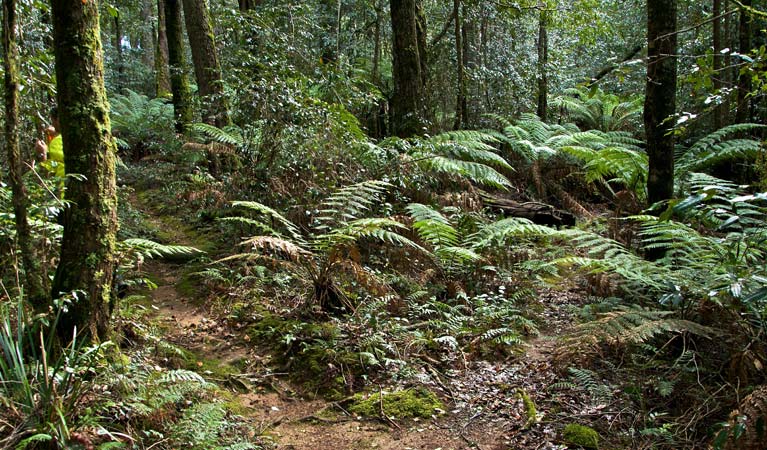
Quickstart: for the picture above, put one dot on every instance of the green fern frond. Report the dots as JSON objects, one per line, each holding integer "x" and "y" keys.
{"x": 432, "y": 227}
{"x": 150, "y": 249}
{"x": 230, "y": 135}
{"x": 635, "y": 324}
{"x": 271, "y": 214}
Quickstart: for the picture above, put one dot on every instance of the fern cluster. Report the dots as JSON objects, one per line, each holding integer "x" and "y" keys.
{"x": 329, "y": 248}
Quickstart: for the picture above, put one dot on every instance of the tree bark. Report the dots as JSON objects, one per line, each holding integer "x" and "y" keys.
{"x": 162, "y": 71}
{"x": 34, "y": 279}
{"x": 660, "y": 97}
{"x": 147, "y": 36}
{"x": 460, "y": 108}
{"x": 207, "y": 69}
{"x": 182, "y": 98}
{"x": 469, "y": 54}
{"x": 88, "y": 248}
{"x": 117, "y": 43}
{"x": 543, "y": 59}
{"x": 408, "y": 116}
{"x": 743, "y": 113}
{"x": 247, "y": 5}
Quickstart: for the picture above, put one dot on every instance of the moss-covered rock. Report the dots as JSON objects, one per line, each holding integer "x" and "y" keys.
{"x": 581, "y": 436}
{"x": 405, "y": 404}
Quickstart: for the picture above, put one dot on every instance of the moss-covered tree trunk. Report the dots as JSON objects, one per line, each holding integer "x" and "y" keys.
{"x": 179, "y": 82}
{"x": 207, "y": 69}
{"x": 34, "y": 279}
{"x": 162, "y": 72}
{"x": 90, "y": 223}
{"x": 660, "y": 97}
{"x": 407, "y": 115}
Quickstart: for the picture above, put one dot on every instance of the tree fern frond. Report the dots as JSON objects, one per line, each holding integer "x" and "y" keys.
{"x": 260, "y": 208}
{"x": 230, "y": 135}
{"x": 285, "y": 248}
{"x": 150, "y": 249}
{"x": 432, "y": 227}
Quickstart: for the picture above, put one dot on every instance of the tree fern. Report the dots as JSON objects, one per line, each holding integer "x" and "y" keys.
{"x": 635, "y": 324}
{"x": 466, "y": 154}
{"x": 720, "y": 146}
{"x": 327, "y": 251}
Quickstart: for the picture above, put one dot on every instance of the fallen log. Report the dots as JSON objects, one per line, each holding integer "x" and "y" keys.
{"x": 539, "y": 213}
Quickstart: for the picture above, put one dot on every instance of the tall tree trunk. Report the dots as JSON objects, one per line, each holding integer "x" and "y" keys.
{"x": 408, "y": 116}
{"x": 162, "y": 71}
{"x": 543, "y": 59}
{"x": 207, "y": 69}
{"x": 247, "y": 5}
{"x": 90, "y": 222}
{"x": 469, "y": 57}
{"x": 147, "y": 36}
{"x": 729, "y": 75}
{"x": 660, "y": 97}
{"x": 423, "y": 45}
{"x": 460, "y": 107}
{"x": 716, "y": 78}
{"x": 117, "y": 43}
{"x": 182, "y": 97}
{"x": 743, "y": 113}
{"x": 377, "y": 42}
{"x": 34, "y": 279}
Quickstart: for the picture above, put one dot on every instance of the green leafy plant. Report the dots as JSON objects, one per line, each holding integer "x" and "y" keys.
{"x": 331, "y": 247}
{"x": 40, "y": 386}
{"x": 465, "y": 154}
{"x": 140, "y": 124}
{"x": 598, "y": 110}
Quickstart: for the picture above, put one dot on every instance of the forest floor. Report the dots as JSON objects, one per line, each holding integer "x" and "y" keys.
{"x": 484, "y": 407}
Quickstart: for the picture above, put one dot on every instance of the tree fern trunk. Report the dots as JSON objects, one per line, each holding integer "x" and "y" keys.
{"x": 90, "y": 222}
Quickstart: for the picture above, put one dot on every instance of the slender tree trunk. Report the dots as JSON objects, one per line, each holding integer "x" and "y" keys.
{"x": 117, "y": 43}
{"x": 34, "y": 279}
{"x": 743, "y": 113}
{"x": 182, "y": 98}
{"x": 147, "y": 36}
{"x": 543, "y": 59}
{"x": 207, "y": 69}
{"x": 162, "y": 71}
{"x": 469, "y": 59}
{"x": 729, "y": 75}
{"x": 460, "y": 107}
{"x": 408, "y": 117}
{"x": 660, "y": 97}
{"x": 423, "y": 49}
{"x": 247, "y": 5}
{"x": 716, "y": 79}
{"x": 377, "y": 42}
{"x": 90, "y": 222}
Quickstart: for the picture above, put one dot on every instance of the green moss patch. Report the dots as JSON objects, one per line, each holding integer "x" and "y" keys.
{"x": 405, "y": 404}
{"x": 581, "y": 436}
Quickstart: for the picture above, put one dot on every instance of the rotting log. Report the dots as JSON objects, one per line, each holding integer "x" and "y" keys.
{"x": 539, "y": 213}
